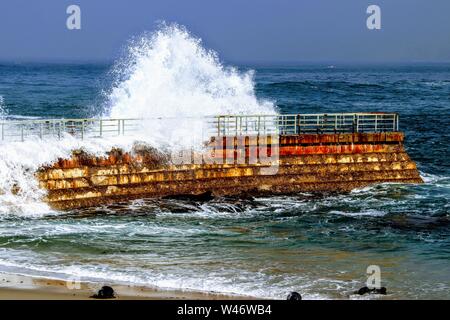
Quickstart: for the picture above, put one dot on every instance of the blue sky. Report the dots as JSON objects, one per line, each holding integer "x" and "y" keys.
{"x": 248, "y": 31}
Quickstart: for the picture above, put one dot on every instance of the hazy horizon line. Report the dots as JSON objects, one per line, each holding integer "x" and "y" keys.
{"x": 259, "y": 63}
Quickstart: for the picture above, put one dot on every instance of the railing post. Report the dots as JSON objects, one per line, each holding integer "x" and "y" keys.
{"x": 3, "y": 131}
{"x": 21, "y": 132}
{"x": 118, "y": 127}
{"x": 376, "y": 123}
{"x": 82, "y": 130}
{"x": 259, "y": 125}
{"x": 296, "y": 124}
{"x": 240, "y": 126}
{"x": 357, "y": 123}
{"x": 246, "y": 125}
{"x": 101, "y": 128}
{"x": 264, "y": 124}
{"x": 218, "y": 126}
{"x": 281, "y": 124}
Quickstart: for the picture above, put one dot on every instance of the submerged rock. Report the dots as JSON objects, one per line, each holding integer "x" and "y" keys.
{"x": 365, "y": 290}
{"x": 206, "y": 196}
{"x": 294, "y": 296}
{"x": 105, "y": 292}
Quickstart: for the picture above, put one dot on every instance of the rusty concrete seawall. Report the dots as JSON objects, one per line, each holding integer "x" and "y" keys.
{"x": 304, "y": 163}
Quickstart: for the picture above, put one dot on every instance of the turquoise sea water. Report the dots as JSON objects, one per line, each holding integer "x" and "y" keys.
{"x": 319, "y": 245}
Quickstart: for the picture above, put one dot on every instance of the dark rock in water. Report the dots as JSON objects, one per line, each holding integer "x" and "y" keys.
{"x": 381, "y": 290}
{"x": 105, "y": 292}
{"x": 207, "y": 196}
{"x": 294, "y": 296}
{"x": 365, "y": 290}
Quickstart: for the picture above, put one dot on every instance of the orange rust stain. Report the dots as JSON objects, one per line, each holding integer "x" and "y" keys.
{"x": 251, "y": 147}
{"x": 332, "y": 149}
{"x": 311, "y": 139}
{"x": 342, "y": 138}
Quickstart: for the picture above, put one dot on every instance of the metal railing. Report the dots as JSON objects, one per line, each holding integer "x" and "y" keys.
{"x": 57, "y": 128}
{"x": 224, "y": 125}
{"x": 305, "y": 123}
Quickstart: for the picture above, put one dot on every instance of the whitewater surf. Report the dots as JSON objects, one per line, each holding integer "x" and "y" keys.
{"x": 166, "y": 74}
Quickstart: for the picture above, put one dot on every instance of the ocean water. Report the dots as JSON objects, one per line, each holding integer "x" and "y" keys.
{"x": 318, "y": 245}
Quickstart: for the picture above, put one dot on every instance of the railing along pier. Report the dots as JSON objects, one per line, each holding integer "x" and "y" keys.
{"x": 15, "y": 130}
{"x": 306, "y": 123}
{"x": 223, "y": 125}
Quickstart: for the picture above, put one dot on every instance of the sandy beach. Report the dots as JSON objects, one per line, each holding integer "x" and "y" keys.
{"x": 17, "y": 287}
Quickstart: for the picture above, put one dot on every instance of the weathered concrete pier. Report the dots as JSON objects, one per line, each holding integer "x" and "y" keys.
{"x": 281, "y": 154}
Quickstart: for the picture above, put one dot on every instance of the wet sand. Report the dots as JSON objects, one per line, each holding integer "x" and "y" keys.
{"x": 14, "y": 287}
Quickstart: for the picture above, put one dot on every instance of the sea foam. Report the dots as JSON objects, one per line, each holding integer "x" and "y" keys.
{"x": 169, "y": 74}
